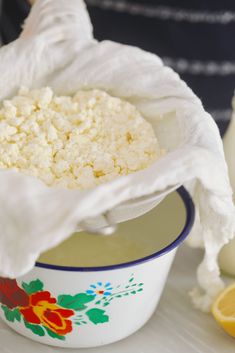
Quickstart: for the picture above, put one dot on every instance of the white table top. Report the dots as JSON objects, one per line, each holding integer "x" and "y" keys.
{"x": 175, "y": 326}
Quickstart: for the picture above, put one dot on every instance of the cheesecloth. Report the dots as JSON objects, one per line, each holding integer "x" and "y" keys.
{"x": 57, "y": 48}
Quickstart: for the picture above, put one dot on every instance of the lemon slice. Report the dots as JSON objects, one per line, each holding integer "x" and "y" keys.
{"x": 223, "y": 309}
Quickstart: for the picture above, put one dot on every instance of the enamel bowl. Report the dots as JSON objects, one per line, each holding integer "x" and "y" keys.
{"x": 70, "y": 306}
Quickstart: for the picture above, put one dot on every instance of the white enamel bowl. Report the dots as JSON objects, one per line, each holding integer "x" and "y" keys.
{"x": 93, "y": 306}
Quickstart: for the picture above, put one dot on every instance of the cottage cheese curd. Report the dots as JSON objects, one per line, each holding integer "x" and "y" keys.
{"x": 74, "y": 142}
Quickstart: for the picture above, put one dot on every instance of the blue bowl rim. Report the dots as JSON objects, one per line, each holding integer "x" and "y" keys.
{"x": 190, "y": 216}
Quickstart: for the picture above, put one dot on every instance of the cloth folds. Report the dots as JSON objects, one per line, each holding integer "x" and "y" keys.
{"x": 57, "y": 49}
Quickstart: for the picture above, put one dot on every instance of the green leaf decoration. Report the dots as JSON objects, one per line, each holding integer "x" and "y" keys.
{"x": 53, "y": 334}
{"x": 131, "y": 279}
{"x": 105, "y": 304}
{"x": 97, "y": 316}
{"x": 36, "y": 329}
{"x": 98, "y": 302}
{"x": 11, "y": 315}
{"x": 140, "y": 284}
{"x": 33, "y": 286}
{"x": 140, "y": 290}
{"x": 76, "y": 302}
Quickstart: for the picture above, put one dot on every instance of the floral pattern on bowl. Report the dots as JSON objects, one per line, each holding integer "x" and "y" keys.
{"x": 43, "y": 314}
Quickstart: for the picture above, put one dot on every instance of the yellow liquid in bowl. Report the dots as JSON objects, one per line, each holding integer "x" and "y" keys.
{"x": 133, "y": 240}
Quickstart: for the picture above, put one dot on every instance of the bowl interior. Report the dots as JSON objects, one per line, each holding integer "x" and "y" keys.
{"x": 135, "y": 241}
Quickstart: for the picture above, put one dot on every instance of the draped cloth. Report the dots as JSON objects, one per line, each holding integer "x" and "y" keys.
{"x": 57, "y": 48}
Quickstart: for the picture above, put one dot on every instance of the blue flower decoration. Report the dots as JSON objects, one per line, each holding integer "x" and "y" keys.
{"x": 100, "y": 289}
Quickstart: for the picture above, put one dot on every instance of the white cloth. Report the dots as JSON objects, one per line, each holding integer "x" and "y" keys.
{"x": 57, "y": 49}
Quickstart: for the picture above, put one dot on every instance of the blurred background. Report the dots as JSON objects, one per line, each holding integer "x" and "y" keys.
{"x": 194, "y": 37}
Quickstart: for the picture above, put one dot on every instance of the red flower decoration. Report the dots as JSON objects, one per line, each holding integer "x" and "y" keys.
{"x": 42, "y": 309}
{"x": 11, "y": 294}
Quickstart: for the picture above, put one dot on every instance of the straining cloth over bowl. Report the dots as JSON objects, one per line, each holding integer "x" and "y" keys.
{"x": 57, "y": 49}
